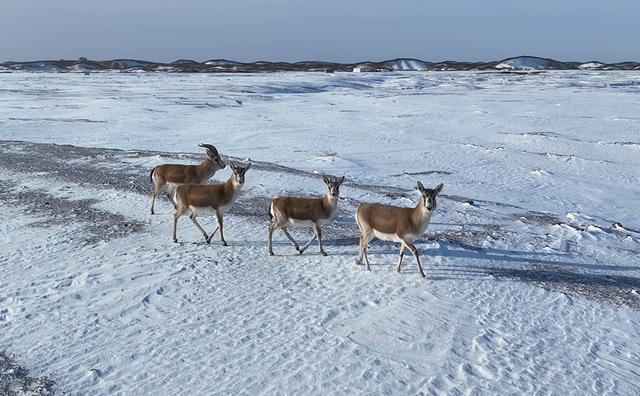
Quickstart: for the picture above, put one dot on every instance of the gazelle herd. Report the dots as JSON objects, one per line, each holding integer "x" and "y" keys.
{"x": 187, "y": 191}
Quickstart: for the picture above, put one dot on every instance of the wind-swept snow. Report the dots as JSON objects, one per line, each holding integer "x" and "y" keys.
{"x": 531, "y": 257}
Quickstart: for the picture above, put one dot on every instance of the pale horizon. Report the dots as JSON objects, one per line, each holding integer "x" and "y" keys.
{"x": 317, "y": 60}
{"x": 331, "y": 31}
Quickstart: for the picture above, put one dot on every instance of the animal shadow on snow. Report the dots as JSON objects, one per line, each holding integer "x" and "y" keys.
{"x": 547, "y": 270}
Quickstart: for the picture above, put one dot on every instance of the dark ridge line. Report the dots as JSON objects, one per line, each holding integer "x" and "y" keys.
{"x": 229, "y": 66}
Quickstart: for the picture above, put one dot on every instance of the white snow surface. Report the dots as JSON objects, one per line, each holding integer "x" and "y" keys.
{"x": 536, "y": 170}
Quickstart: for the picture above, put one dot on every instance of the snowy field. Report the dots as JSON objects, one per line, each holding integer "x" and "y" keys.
{"x": 531, "y": 257}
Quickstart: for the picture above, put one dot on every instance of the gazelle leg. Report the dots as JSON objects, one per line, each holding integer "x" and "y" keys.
{"x": 219, "y": 216}
{"x": 154, "y": 191}
{"x": 366, "y": 257}
{"x": 170, "y": 200}
{"x": 308, "y": 243}
{"x": 153, "y": 199}
{"x": 212, "y": 234}
{"x": 179, "y": 212}
{"x": 365, "y": 237}
{"x": 400, "y": 258}
{"x": 193, "y": 218}
{"x": 318, "y": 232}
{"x": 413, "y": 249}
{"x": 360, "y": 250}
{"x": 271, "y": 228}
{"x": 293, "y": 241}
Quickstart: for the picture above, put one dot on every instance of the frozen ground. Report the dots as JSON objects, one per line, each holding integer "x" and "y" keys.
{"x": 531, "y": 260}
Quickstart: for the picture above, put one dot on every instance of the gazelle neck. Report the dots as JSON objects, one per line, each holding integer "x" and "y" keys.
{"x": 232, "y": 185}
{"x": 206, "y": 169}
{"x": 420, "y": 212}
{"x": 329, "y": 201}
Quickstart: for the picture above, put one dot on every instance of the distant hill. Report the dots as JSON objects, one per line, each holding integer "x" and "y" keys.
{"x": 518, "y": 64}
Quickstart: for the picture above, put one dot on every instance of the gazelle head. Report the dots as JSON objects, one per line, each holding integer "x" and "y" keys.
{"x": 238, "y": 172}
{"x": 212, "y": 155}
{"x": 333, "y": 184}
{"x": 428, "y": 195}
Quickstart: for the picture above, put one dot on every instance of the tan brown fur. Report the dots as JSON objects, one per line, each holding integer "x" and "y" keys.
{"x": 162, "y": 175}
{"x": 403, "y": 225}
{"x": 311, "y": 209}
{"x": 204, "y": 197}
{"x": 311, "y": 212}
{"x": 392, "y": 219}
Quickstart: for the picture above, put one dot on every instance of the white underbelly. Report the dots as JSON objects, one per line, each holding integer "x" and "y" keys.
{"x": 393, "y": 237}
{"x": 203, "y": 210}
{"x": 210, "y": 209}
{"x": 300, "y": 223}
{"x": 306, "y": 223}
{"x": 386, "y": 237}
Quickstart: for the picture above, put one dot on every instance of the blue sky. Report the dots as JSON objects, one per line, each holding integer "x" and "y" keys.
{"x": 332, "y": 30}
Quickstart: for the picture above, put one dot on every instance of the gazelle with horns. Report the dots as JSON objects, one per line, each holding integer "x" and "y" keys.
{"x": 306, "y": 212}
{"x": 168, "y": 176}
{"x": 216, "y": 198}
{"x": 392, "y": 223}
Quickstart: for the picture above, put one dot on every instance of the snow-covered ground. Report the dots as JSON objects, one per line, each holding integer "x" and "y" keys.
{"x": 531, "y": 258}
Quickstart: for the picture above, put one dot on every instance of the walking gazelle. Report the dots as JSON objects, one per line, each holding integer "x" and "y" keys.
{"x": 392, "y": 223}
{"x": 305, "y": 212}
{"x": 171, "y": 175}
{"x": 216, "y": 198}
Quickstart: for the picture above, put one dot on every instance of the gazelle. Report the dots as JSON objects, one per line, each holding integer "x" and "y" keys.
{"x": 392, "y": 223}
{"x": 305, "y": 212}
{"x": 171, "y": 175}
{"x": 216, "y": 198}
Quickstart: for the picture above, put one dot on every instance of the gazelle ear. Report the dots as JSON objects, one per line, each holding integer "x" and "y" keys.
{"x": 341, "y": 180}
{"x": 439, "y": 188}
{"x": 419, "y": 186}
{"x": 247, "y": 167}
{"x": 233, "y": 166}
{"x": 326, "y": 180}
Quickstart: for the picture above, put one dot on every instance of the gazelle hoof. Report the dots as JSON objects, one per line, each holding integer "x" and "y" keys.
{"x": 324, "y": 253}
{"x": 270, "y": 253}
{"x": 224, "y": 244}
